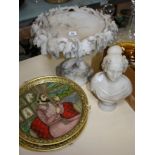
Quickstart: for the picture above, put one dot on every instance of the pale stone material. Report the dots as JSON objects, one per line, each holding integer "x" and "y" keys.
{"x": 76, "y": 70}
{"x": 72, "y": 30}
{"x": 75, "y": 32}
{"x": 111, "y": 86}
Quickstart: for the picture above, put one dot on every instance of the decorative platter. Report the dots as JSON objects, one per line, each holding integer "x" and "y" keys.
{"x": 128, "y": 51}
{"x": 53, "y": 111}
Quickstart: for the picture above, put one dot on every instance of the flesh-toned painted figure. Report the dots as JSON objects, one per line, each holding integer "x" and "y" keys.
{"x": 54, "y": 119}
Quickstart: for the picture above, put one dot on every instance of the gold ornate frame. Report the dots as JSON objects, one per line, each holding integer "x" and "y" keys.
{"x": 46, "y": 145}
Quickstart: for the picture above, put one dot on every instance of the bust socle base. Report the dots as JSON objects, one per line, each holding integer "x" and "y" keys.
{"x": 107, "y": 106}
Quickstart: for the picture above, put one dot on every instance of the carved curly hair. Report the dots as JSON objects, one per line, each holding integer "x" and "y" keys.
{"x": 115, "y": 57}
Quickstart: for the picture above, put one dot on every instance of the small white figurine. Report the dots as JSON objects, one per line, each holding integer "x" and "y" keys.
{"x": 111, "y": 86}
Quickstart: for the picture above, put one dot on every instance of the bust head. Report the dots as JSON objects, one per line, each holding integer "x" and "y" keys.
{"x": 114, "y": 64}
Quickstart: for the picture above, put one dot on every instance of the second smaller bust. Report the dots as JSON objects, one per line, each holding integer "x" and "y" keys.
{"x": 110, "y": 86}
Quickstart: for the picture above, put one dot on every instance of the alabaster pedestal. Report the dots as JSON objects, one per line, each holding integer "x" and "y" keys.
{"x": 76, "y": 70}
{"x": 73, "y": 32}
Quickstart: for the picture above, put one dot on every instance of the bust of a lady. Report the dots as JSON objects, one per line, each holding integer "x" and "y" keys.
{"x": 110, "y": 86}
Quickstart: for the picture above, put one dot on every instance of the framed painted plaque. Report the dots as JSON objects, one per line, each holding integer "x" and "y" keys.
{"x": 52, "y": 112}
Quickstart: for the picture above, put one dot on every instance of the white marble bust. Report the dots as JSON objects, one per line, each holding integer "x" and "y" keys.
{"x": 111, "y": 86}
